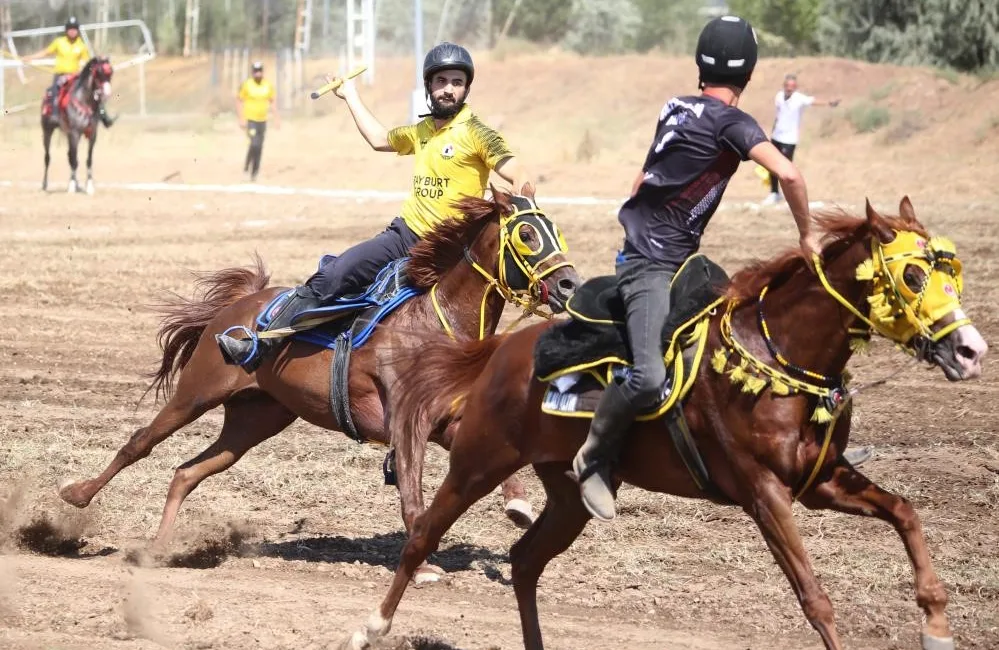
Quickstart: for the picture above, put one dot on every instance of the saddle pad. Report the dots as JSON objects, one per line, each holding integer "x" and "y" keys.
{"x": 576, "y": 394}
{"x": 386, "y": 294}
{"x": 596, "y": 333}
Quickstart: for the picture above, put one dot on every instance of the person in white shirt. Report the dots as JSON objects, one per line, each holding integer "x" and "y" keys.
{"x": 790, "y": 104}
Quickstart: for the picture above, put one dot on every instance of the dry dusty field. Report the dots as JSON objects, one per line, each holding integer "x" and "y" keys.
{"x": 293, "y": 546}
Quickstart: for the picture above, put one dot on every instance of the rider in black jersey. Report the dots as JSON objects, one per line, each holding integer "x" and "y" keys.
{"x": 700, "y": 141}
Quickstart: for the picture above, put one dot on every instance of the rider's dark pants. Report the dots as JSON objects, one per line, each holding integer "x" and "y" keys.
{"x": 788, "y": 151}
{"x": 357, "y": 266}
{"x": 54, "y": 92}
{"x": 256, "y": 130}
{"x": 644, "y": 288}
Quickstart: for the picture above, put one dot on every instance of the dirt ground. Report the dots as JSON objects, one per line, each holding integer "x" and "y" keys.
{"x": 294, "y": 546}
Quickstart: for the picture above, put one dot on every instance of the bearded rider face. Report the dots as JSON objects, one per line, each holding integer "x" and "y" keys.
{"x": 447, "y": 93}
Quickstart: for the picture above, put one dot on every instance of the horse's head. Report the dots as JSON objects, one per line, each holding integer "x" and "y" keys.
{"x": 533, "y": 267}
{"x": 915, "y": 297}
{"x": 97, "y": 76}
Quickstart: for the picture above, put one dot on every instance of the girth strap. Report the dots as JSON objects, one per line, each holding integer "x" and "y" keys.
{"x": 340, "y": 385}
{"x": 685, "y": 446}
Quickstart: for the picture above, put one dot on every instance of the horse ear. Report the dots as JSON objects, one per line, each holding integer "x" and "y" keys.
{"x": 527, "y": 190}
{"x": 906, "y": 211}
{"x": 878, "y": 225}
{"x": 501, "y": 198}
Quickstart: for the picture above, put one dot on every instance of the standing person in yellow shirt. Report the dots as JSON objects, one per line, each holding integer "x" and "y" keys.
{"x": 256, "y": 98}
{"x": 71, "y": 54}
{"x": 454, "y": 153}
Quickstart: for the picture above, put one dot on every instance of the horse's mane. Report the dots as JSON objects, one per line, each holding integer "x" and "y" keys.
{"x": 83, "y": 77}
{"x": 439, "y": 251}
{"x": 837, "y": 225}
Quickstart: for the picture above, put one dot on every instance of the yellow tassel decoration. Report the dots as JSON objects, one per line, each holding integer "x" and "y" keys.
{"x": 865, "y": 271}
{"x": 737, "y": 375}
{"x": 719, "y": 360}
{"x": 779, "y": 388}
{"x": 821, "y": 415}
{"x": 942, "y": 245}
{"x": 754, "y": 385}
{"x": 860, "y": 345}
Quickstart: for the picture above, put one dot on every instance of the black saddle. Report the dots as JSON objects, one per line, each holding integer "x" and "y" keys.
{"x": 597, "y": 328}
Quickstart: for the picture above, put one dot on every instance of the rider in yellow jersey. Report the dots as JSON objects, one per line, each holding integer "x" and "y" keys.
{"x": 255, "y": 100}
{"x": 454, "y": 154}
{"x": 71, "y": 54}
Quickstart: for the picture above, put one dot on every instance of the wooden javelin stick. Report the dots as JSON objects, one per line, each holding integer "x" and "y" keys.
{"x": 336, "y": 83}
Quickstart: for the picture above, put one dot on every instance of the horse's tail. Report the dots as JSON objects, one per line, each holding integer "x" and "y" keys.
{"x": 184, "y": 320}
{"x": 439, "y": 374}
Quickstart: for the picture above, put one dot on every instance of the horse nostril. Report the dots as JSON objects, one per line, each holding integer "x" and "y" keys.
{"x": 566, "y": 286}
{"x": 966, "y": 352}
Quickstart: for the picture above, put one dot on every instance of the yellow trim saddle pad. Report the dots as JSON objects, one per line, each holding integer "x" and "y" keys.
{"x": 560, "y": 400}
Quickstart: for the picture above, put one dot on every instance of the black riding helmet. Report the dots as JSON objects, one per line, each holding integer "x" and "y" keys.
{"x": 448, "y": 56}
{"x": 726, "y": 52}
{"x": 72, "y": 23}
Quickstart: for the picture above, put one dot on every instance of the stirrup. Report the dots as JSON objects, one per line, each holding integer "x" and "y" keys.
{"x": 250, "y": 356}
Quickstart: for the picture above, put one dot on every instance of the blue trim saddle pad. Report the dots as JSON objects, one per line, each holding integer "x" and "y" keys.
{"x": 389, "y": 291}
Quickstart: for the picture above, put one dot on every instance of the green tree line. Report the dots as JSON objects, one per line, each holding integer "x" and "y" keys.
{"x": 961, "y": 34}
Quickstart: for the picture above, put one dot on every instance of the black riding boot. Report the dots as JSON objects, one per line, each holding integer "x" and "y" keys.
{"x": 240, "y": 352}
{"x": 102, "y": 112}
{"x": 592, "y": 464}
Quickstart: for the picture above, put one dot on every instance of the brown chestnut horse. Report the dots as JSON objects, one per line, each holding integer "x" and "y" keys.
{"x": 460, "y": 261}
{"x": 760, "y": 446}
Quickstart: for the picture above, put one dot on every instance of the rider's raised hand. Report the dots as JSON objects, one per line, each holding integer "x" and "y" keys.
{"x": 811, "y": 247}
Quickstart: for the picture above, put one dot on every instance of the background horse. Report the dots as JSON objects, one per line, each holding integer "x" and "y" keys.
{"x": 78, "y": 117}
{"x": 762, "y": 448}
{"x": 460, "y": 261}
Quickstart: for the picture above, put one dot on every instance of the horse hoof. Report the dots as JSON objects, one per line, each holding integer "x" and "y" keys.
{"x": 69, "y": 492}
{"x": 520, "y": 513}
{"x": 73, "y": 188}
{"x": 427, "y": 574}
{"x": 356, "y": 641}
{"x": 90, "y": 188}
{"x": 931, "y": 642}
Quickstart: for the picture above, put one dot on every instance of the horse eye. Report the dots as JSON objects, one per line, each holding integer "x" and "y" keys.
{"x": 913, "y": 276}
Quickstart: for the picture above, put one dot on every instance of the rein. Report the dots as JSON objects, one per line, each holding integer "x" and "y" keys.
{"x": 887, "y": 306}
{"x": 530, "y": 299}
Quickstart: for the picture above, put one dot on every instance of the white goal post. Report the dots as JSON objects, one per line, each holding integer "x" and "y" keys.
{"x": 10, "y": 57}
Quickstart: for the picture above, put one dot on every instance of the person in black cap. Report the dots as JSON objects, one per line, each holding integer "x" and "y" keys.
{"x": 700, "y": 141}
{"x": 255, "y": 101}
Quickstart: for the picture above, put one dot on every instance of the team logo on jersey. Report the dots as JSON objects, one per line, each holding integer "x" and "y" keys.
{"x": 447, "y": 151}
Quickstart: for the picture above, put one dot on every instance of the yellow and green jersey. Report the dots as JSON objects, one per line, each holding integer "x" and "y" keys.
{"x": 69, "y": 55}
{"x": 256, "y": 98}
{"x": 451, "y": 162}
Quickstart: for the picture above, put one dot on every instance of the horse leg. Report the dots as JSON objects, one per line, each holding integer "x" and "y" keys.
{"x": 92, "y": 140}
{"x": 770, "y": 507}
{"x": 851, "y": 492}
{"x": 410, "y": 452}
{"x": 477, "y": 467}
{"x": 74, "y": 141}
{"x": 198, "y": 390}
{"x": 516, "y": 506}
{"x": 560, "y": 523}
{"x": 47, "y": 141}
{"x": 248, "y": 422}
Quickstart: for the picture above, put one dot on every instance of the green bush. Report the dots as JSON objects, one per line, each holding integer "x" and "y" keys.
{"x": 867, "y": 118}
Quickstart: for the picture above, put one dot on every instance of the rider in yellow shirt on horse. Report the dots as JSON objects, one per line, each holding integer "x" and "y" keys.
{"x": 71, "y": 54}
{"x": 454, "y": 154}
